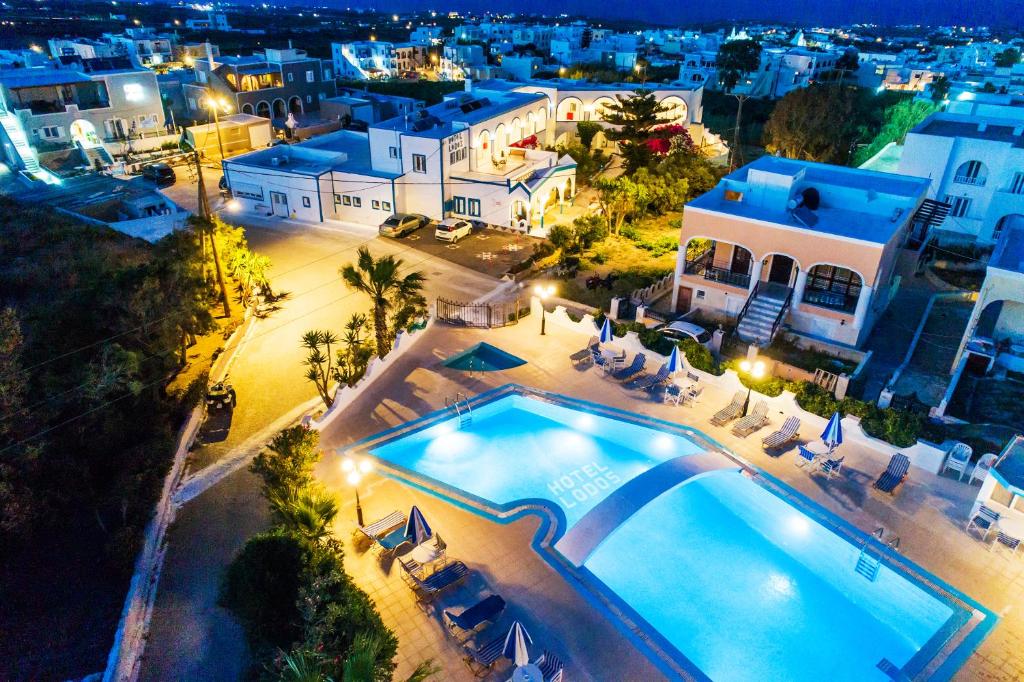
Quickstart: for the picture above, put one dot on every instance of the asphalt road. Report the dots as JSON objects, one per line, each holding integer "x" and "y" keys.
{"x": 191, "y": 637}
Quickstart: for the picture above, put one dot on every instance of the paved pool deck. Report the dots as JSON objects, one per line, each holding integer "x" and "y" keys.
{"x": 928, "y": 515}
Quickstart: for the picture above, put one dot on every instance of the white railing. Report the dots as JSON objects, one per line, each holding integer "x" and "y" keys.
{"x": 977, "y": 181}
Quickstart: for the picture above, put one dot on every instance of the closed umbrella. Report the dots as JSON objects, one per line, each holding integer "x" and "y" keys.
{"x": 832, "y": 436}
{"x": 606, "y": 331}
{"x": 675, "y": 361}
{"x": 417, "y": 531}
{"x": 516, "y": 642}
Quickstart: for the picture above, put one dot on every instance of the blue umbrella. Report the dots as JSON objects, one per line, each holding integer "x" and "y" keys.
{"x": 416, "y": 529}
{"x": 675, "y": 361}
{"x": 832, "y": 436}
{"x": 606, "y": 331}
{"x": 516, "y": 642}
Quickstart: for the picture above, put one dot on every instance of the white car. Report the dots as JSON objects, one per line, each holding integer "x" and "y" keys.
{"x": 452, "y": 230}
{"x": 679, "y": 330}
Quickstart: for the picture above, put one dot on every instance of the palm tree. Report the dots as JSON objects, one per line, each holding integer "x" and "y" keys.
{"x": 308, "y": 513}
{"x": 361, "y": 661}
{"x": 319, "y": 364}
{"x": 389, "y": 292}
{"x": 303, "y": 666}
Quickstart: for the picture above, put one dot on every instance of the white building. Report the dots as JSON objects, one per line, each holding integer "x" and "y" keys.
{"x": 142, "y": 44}
{"x": 467, "y": 157}
{"x": 976, "y": 165}
{"x": 85, "y": 48}
{"x": 364, "y": 59}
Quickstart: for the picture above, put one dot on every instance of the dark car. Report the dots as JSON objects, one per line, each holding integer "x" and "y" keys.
{"x": 401, "y": 224}
{"x": 160, "y": 174}
{"x": 221, "y": 395}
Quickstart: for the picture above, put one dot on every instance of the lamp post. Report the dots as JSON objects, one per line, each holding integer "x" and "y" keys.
{"x": 543, "y": 292}
{"x": 215, "y": 105}
{"x": 754, "y": 370}
{"x": 354, "y": 472}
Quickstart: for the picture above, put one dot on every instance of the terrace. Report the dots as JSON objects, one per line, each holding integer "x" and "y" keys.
{"x": 928, "y": 515}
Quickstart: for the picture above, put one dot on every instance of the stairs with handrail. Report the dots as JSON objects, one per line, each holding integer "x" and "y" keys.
{"x": 14, "y": 132}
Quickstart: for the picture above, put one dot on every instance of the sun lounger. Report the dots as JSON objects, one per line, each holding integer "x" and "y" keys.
{"x": 757, "y": 419}
{"x": 550, "y": 667}
{"x": 382, "y": 527}
{"x": 634, "y": 368}
{"x": 789, "y": 431}
{"x": 806, "y": 457}
{"x": 582, "y": 357}
{"x": 730, "y": 411}
{"x": 436, "y": 583}
{"x": 476, "y": 617}
{"x": 1002, "y": 538}
{"x": 480, "y": 660}
{"x": 389, "y": 544}
{"x": 984, "y": 520}
{"x": 649, "y": 381}
{"x": 894, "y": 475}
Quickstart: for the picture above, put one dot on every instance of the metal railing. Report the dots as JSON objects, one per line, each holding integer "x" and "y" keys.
{"x": 782, "y": 314}
{"x": 977, "y": 181}
{"x": 746, "y": 304}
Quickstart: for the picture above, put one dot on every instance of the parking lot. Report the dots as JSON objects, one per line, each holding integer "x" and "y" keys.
{"x": 491, "y": 252}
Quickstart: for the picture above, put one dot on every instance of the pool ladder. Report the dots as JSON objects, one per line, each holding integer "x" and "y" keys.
{"x": 465, "y": 413}
{"x": 868, "y": 565}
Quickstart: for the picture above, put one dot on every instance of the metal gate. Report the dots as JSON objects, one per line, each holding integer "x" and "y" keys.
{"x": 479, "y": 314}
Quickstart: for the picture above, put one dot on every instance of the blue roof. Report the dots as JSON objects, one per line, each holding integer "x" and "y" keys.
{"x": 449, "y": 114}
{"x": 854, "y": 217}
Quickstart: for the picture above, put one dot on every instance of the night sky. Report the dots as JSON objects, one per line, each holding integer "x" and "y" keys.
{"x": 675, "y": 12}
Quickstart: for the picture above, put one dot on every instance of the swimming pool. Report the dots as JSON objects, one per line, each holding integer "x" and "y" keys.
{"x": 728, "y": 573}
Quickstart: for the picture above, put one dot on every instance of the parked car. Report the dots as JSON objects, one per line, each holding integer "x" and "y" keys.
{"x": 159, "y": 173}
{"x": 221, "y": 395}
{"x": 401, "y": 224}
{"x": 453, "y": 229}
{"x": 680, "y": 330}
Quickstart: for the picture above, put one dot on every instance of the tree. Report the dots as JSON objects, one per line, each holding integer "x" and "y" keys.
{"x": 354, "y": 357}
{"x": 287, "y": 463}
{"x": 737, "y": 58}
{"x": 587, "y": 130}
{"x": 816, "y": 123}
{"x": 249, "y": 270}
{"x": 897, "y": 120}
{"x": 940, "y": 88}
{"x": 1008, "y": 57}
{"x": 308, "y": 512}
{"x": 396, "y": 298}
{"x": 206, "y": 229}
{"x": 360, "y": 664}
{"x": 319, "y": 362}
{"x": 620, "y": 198}
{"x": 636, "y": 116}
{"x": 848, "y": 62}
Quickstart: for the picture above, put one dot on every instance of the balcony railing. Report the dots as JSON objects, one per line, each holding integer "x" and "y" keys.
{"x": 832, "y": 300}
{"x": 699, "y": 266}
{"x": 978, "y": 181}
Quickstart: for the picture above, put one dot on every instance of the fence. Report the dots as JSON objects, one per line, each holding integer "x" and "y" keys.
{"x": 479, "y": 314}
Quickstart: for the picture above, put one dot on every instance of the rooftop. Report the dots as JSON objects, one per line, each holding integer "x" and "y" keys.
{"x": 1009, "y": 255}
{"x": 472, "y": 108}
{"x": 41, "y": 77}
{"x": 973, "y": 127}
{"x": 344, "y": 150}
{"x": 858, "y": 204}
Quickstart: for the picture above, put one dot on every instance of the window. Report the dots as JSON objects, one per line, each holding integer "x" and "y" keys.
{"x": 419, "y": 163}
{"x": 50, "y": 132}
{"x": 386, "y": 205}
{"x": 474, "y": 208}
{"x": 321, "y": 96}
{"x": 393, "y": 152}
{"x": 291, "y": 77}
{"x": 357, "y": 202}
{"x": 460, "y": 204}
{"x": 961, "y": 205}
{"x": 1017, "y": 184}
{"x": 327, "y": 74}
{"x": 457, "y": 155}
{"x": 375, "y": 204}
{"x": 310, "y": 77}
{"x": 247, "y": 191}
{"x": 831, "y": 286}
{"x": 305, "y": 202}
{"x": 346, "y": 200}
{"x": 970, "y": 173}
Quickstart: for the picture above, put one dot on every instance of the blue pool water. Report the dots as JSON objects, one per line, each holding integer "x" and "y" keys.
{"x": 749, "y": 588}
{"x": 521, "y": 448}
{"x": 727, "y": 576}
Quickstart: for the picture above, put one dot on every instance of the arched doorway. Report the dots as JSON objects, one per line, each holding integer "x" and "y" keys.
{"x": 84, "y": 133}
{"x": 263, "y": 109}
{"x": 567, "y": 189}
{"x": 520, "y": 214}
{"x": 279, "y": 108}
{"x": 247, "y": 108}
{"x": 1006, "y": 222}
{"x": 295, "y": 105}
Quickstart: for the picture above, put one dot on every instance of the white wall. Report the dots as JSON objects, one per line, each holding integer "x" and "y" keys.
{"x": 245, "y": 179}
{"x": 374, "y": 196}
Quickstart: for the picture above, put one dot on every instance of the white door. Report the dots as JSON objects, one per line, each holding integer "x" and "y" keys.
{"x": 279, "y": 201}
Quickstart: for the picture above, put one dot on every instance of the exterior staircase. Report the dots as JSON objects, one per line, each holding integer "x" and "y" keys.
{"x": 11, "y": 125}
{"x": 93, "y": 154}
{"x": 763, "y": 313}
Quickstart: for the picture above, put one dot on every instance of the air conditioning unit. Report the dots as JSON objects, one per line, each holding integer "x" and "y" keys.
{"x": 276, "y": 161}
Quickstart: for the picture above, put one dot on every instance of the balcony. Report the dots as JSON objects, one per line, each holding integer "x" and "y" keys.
{"x": 701, "y": 266}
{"x": 969, "y": 180}
{"x": 833, "y": 300}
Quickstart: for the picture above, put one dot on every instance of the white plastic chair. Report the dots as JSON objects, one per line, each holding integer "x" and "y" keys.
{"x": 982, "y": 467}
{"x": 958, "y": 459}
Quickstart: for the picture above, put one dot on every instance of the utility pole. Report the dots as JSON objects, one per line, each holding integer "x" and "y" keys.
{"x": 736, "y": 150}
{"x": 207, "y": 226}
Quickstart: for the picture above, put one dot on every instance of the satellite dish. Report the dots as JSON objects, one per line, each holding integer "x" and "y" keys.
{"x": 812, "y": 199}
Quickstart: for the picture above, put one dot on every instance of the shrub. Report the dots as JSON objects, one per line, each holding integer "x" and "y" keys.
{"x": 261, "y": 588}
{"x": 287, "y": 463}
{"x": 771, "y": 386}
{"x": 629, "y": 232}
{"x": 700, "y": 357}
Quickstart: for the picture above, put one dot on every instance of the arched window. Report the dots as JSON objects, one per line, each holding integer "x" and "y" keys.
{"x": 1007, "y": 221}
{"x": 971, "y": 173}
{"x": 832, "y": 286}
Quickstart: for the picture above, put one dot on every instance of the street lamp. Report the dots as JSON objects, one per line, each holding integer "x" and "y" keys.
{"x": 754, "y": 370}
{"x": 354, "y": 472}
{"x": 543, "y": 293}
{"x": 215, "y": 105}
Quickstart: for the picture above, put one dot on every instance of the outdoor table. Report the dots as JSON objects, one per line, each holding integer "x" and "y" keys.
{"x": 1012, "y": 525}
{"x": 425, "y": 555}
{"x": 527, "y": 673}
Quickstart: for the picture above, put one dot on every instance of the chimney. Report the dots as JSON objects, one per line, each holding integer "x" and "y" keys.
{"x": 289, "y": 43}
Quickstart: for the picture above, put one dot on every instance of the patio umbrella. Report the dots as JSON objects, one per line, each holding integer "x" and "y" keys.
{"x": 832, "y": 436}
{"x": 606, "y": 331}
{"x": 675, "y": 361}
{"x": 416, "y": 529}
{"x": 516, "y": 642}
